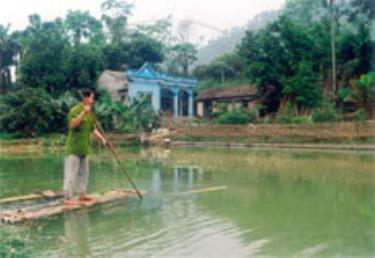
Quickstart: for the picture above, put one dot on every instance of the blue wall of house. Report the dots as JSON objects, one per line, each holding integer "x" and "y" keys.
{"x": 137, "y": 88}
{"x": 148, "y": 81}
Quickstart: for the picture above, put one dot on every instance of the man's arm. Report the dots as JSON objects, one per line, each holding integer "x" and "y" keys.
{"x": 99, "y": 137}
{"x": 77, "y": 120}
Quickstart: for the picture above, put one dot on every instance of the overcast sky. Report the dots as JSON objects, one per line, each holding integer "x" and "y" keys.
{"x": 219, "y": 13}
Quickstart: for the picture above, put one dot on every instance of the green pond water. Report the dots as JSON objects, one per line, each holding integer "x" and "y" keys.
{"x": 278, "y": 203}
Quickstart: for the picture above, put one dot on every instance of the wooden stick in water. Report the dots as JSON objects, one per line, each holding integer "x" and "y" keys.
{"x": 33, "y": 196}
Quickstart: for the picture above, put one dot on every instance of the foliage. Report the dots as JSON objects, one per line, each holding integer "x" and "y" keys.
{"x": 184, "y": 55}
{"x": 361, "y": 91}
{"x": 81, "y": 26}
{"x": 236, "y": 116}
{"x": 138, "y": 116}
{"x": 29, "y": 111}
{"x": 133, "y": 53}
{"x": 142, "y": 49}
{"x": 8, "y": 49}
{"x": 9, "y": 136}
{"x": 115, "y": 16}
{"x": 82, "y": 65}
{"x": 360, "y": 115}
{"x": 225, "y": 67}
{"x": 144, "y": 115}
{"x": 287, "y": 115}
{"x": 326, "y": 112}
{"x": 302, "y": 87}
{"x": 15, "y": 242}
{"x": 68, "y": 66}
{"x": 42, "y": 41}
{"x": 290, "y": 58}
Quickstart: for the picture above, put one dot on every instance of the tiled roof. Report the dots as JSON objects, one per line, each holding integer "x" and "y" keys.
{"x": 228, "y": 92}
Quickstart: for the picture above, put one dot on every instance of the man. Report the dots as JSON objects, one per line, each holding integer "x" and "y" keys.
{"x": 81, "y": 122}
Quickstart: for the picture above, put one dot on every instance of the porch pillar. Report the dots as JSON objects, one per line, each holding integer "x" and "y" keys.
{"x": 191, "y": 102}
{"x": 175, "y": 101}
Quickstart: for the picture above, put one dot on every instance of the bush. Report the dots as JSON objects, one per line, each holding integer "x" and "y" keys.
{"x": 326, "y": 113}
{"x": 286, "y": 115}
{"x": 360, "y": 115}
{"x": 29, "y": 112}
{"x": 236, "y": 116}
{"x": 9, "y": 136}
{"x": 144, "y": 116}
{"x": 138, "y": 116}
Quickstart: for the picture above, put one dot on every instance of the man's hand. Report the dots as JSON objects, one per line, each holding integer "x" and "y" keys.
{"x": 86, "y": 108}
{"x": 107, "y": 143}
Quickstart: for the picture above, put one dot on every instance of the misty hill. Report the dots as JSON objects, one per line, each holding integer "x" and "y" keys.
{"x": 228, "y": 41}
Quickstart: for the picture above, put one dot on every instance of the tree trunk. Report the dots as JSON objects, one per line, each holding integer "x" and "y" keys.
{"x": 333, "y": 45}
{"x": 222, "y": 74}
{"x": 186, "y": 70}
{"x": 2, "y": 89}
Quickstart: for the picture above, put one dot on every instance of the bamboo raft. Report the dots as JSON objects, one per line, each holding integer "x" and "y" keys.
{"x": 57, "y": 207}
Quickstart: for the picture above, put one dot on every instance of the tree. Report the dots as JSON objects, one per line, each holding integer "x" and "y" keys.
{"x": 30, "y": 111}
{"x": 44, "y": 49}
{"x": 225, "y": 67}
{"x": 48, "y": 60}
{"x": 82, "y": 66}
{"x": 277, "y": 58}
{"x": 8, "y": 49}
{"x": 365, "y": 7}
{"x": 142, "y": 49}
{"x": 115, "y": 16}
{"x": 159, "y": 30}
{"x": 133, "y": 53}
{"x": 184, "y": 54}
{"x": 82, "y": 26}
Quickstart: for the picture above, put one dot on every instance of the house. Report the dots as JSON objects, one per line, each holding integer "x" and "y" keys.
{"x": 169, "y": 95}
{"x": 116, "y": 84}
{"x": 232, "y": 97}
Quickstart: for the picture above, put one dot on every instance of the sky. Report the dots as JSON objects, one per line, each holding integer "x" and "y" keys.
{"x": 222, "y": 14}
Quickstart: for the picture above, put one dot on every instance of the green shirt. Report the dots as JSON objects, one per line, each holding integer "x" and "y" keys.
{"x": 78, "y": 138}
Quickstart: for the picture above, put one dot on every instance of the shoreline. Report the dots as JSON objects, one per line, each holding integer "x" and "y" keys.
{"x": 312, "y": 146}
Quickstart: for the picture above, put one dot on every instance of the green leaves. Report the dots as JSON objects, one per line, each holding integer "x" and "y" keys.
{"x": 138, "y": 116}
{"x": 29, "y": 111}
{"x": 184, "y": 55}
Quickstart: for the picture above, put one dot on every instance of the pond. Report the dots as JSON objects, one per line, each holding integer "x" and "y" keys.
{"x": 283, "y": 203}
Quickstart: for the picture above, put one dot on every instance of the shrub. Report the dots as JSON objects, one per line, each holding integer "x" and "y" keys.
{"x": 144, "y": 116}
{"x": 29, "y": 112}
{"x": 360, "y": 115}
{"x": 236, "y": 116}
{"x": 326, "y": 113}
{"x": 9, "y": 136}
{"x": 286, "y": 115}
{"x": 138, "y": 116}
{"x": 220, "y": 109}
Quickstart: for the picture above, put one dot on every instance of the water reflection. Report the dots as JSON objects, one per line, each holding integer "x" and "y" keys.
{"x": 76, "y": 228}
{"x": 277, "y": 203}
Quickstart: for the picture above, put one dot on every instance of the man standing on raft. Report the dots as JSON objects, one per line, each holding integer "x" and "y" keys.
{"x": 81, "y": 123}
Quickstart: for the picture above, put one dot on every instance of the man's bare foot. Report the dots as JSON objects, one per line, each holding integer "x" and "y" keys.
{"x": 85, "y": 198}
{"x": 69, "y": 202}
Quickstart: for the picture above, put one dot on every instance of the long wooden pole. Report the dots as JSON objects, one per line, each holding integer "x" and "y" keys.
{"x": 114, "y": 153}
